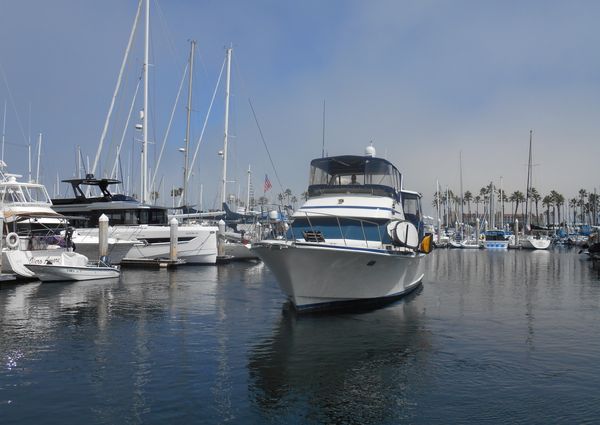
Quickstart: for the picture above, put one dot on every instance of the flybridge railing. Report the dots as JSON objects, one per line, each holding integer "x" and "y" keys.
{"x": 316, "y": 235}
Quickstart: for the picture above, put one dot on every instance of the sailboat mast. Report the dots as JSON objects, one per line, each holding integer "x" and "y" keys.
{"x": 462, "y": 211}
{"x": 146, "y": 115}
{"x": 528, "y": 180}
{"x": 439, "y": 222}
{"x": 501, "y": 203}
{"x": 248, "y": 189}
{"x": 323, "y": 145}
{"x": 187, "y": 127}
{"x": 226, "y": 137}
{"x": 3, "y": 130}
{"x": 39, "y": 157}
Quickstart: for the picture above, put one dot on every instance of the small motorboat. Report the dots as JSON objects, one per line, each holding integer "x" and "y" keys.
{"x": 73, "y": 266}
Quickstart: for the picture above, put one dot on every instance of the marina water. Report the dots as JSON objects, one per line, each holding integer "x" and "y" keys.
{"x": 490, "y": 337}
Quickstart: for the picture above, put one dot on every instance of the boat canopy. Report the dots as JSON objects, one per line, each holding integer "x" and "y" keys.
{"x": 354, "y": 174}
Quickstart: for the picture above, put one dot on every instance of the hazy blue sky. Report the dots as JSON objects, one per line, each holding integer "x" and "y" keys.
{"x": 422, "y": 79}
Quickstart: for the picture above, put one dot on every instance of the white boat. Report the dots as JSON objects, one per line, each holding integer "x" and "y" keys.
{"x": 351, "y": 240}
{"x": 531, "y": 240}
{"x": 535, "y": 242}
{"x": 133, "y": 221}
{"x": 72, "y": 266}
{"x": 470, "y": 244}
{"x": 30, "y": 225}
{"x": 129, "y": 218}
{"x": 496, "y": 239}
{"x": 236, "y": 247}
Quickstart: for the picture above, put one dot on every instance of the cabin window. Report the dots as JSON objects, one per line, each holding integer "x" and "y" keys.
{"x": 411, "y": 205}
{"x": 345, "y": 228}
{"x": 130, "y": 217}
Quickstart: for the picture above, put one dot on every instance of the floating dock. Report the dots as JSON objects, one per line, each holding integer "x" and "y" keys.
{"x": 150, "y": 263}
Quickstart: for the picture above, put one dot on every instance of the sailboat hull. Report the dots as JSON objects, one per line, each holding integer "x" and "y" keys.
{"x": 532, "y": 243}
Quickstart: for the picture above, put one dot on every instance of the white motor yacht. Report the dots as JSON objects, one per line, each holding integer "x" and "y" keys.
{"x": 358, "y": 237}
{"x": 133, "y": 221}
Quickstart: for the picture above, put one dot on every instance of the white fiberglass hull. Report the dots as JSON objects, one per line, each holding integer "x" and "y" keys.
{"x": 15, "y": 261}
{"x": 531, "y": 243}
{"x": 56, "y": 272}
{"x": 117, "y": 249}
{"x": 315, "y": 277}
{"x": 470, "y": 245}
{"x": 238, "y": 251}
{"x": 200, "y": 250}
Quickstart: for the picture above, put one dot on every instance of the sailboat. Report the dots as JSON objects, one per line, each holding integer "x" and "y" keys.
{"x": 234, "y": 246}
{"x": 531, "y": 240}
{"x": 132, "y": 219}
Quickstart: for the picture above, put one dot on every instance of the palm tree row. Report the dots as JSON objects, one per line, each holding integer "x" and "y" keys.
{"x": 584, "y": 208}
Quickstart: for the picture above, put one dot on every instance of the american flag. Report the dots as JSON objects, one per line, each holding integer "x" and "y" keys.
{"x": 268, "y": 184}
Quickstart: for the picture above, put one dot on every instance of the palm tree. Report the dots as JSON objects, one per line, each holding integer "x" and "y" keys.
{"x": 547, "y": 202}
{"x": 262, "y": 200}
{"x": 178, "y": 191}
{"x": 502, "y": 198}
{"x": 477, "y": 200}
{"x": 280, "y": 198}
{"x": 457, "y": 204}
{"x": 582, "y": 196}
{"x": 535, "y": 195}
{"x": 512, "y": 200}
{"x": 518, "y": 198}
{"x": 559, "y": 200}
{"x": 593, "y": 200}
{"x": 305, "y": 195}
{"x": 573, "y": 206}
{"x": 468, "y": 197}
{"x": 294, "y": 202}
{"x": 288, "y": 194}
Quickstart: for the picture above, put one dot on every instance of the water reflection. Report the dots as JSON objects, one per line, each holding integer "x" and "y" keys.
{"x": 344, "y": 368}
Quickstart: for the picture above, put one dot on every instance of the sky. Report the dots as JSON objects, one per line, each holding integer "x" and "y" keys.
{"x": 425, "y": 81}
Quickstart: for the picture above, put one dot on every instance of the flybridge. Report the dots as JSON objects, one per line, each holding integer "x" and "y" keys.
{"x": 354, "y": 174}
{"x": 90, "y": 180}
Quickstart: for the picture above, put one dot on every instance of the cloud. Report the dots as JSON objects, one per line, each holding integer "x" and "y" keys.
{"x": 424, "y": 80}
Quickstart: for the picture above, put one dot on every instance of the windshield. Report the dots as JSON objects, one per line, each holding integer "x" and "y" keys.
{"x": 24, "y": 194}
{"x": 354, "y": 171}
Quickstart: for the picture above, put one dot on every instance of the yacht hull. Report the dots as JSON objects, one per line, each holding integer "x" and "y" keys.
{"x": 317, "y": 277}
{"x": 16, "y": 261}
{"x": 201, "y": 248}
{"x": 496, "y": 245}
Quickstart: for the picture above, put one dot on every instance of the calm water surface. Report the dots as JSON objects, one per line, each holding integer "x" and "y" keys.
{"x": 490, "y": 337}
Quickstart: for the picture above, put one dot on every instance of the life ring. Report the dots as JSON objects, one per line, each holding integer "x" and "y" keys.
{"x": 12, "y": 240}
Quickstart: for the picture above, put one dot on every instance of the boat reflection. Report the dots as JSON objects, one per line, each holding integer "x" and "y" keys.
{"x": 343, "y": 368}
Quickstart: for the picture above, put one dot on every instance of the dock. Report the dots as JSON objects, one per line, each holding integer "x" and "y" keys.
{"x": 150, "y": 263}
